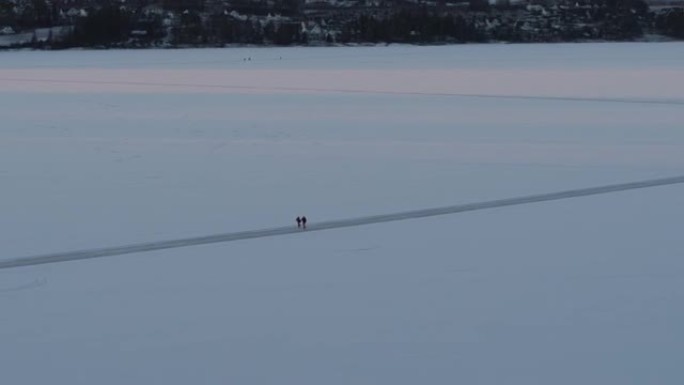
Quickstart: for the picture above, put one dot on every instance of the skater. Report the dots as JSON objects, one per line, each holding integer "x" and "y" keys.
{"x": 303, "y": 222}
{"x": 299, "y": 222}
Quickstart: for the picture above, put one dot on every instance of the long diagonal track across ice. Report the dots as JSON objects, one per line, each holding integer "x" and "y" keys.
{"x": 227, "y": 237}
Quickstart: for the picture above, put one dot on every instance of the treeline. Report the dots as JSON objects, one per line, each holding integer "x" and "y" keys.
{"x": 112, "y": 25}
{"x": 31, "y": 14}
{"x": 671, "y": 23}
{"x": 411, "y": 26}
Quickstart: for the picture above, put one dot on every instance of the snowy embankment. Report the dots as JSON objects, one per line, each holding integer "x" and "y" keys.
{"x": 120, "y": 147}
{"x": 39, "y": 35}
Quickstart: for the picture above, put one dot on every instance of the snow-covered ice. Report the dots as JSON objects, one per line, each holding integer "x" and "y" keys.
{"x": 101, "y": 148}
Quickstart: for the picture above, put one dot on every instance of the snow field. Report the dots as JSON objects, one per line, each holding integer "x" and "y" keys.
{"x": 577, "y": 291}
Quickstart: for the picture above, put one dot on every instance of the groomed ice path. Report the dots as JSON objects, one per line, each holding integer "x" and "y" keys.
{"x": 336, "y": 224}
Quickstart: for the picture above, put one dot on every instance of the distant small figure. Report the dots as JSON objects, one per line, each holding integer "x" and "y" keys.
{"x": 299, "y": 222}
{"x": 303, "y": 222}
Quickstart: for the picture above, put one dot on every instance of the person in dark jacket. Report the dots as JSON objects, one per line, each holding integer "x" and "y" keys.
{"x": 299, "y": 222}
{"x": 303, "y": 221}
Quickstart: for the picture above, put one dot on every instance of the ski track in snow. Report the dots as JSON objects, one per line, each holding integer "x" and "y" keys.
{"x": 229, "y": 87}
{"x": 27, "y": 286}
{"x": 335, "y": 224}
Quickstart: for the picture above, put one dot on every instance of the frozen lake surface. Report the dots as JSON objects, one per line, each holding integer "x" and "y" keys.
{"x": 107, "y": 148}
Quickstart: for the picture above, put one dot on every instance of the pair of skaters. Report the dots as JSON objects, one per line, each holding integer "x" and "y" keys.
{"x": 301, "y": 222}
